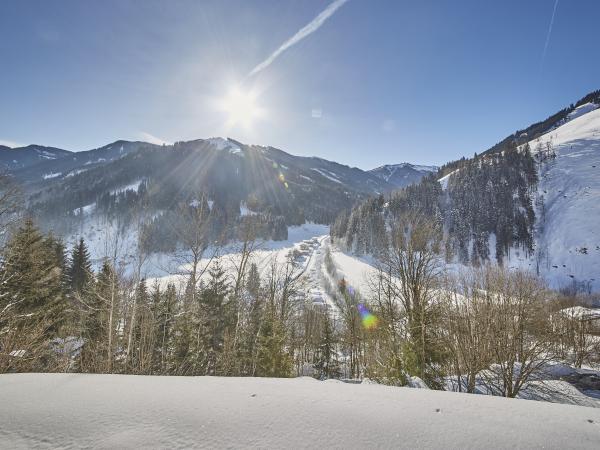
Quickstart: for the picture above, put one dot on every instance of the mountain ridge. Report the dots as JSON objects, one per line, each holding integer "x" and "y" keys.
{"x": 280, "y": 189}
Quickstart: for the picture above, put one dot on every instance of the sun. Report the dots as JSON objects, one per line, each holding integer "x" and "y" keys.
{"x": 241, "y": 108}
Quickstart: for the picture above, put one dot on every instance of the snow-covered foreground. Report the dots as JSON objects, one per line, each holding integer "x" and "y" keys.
{"x": 120, "y": 411}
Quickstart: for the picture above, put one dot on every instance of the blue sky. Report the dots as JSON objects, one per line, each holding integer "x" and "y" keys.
{"x": 379, "y": 82}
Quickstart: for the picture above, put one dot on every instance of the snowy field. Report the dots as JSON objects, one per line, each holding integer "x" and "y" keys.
{"x": 305, "y": 239}
{"x": 124, "y": 411}
{"x": 359, "y": 272}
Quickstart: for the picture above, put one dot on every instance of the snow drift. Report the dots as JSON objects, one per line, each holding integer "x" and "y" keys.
{"x": 117, "y": 411}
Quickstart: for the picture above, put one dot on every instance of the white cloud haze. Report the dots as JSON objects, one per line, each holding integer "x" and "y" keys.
{"x": 11, "y": 144}
{"x": 147, "y": 137}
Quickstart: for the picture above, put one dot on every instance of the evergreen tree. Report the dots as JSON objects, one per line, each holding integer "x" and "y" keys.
{"x": 32, "y": 274}
{"x": 80, "y": 268}
{"x": 217, "y": 313}
{"x": 61, "y": 258}
{"x": 252, "y": 323}
{"x": 164, "y": 304}
{"x": 141, "y": 331}
{"x": 104, "y": 316}
{"x": 326, "y": 363}
{"x": 32, "y": 289}
{"x": 272, "y": 358}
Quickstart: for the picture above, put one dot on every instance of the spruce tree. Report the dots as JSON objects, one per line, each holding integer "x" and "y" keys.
{"x": 80, "y": 267}
{"x": 140, "y": 330}
{"x": 217, "y": 313}
{"x": 272, "y": 358}
{"x": 103, "y": 319}
{"x": 32, "y": 288}
{"x": 164, "y": 304}
{"x": 251, "y": 326}
{"x": 327, "y": 364}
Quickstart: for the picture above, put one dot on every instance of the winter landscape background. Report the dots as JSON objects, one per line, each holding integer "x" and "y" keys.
{"x": 241, "y": 285}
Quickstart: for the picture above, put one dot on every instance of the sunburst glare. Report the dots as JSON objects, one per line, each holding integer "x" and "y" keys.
{"x": 241, "y": 107}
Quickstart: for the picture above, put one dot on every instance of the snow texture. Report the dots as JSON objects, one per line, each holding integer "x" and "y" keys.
{"x": 245, "y": 211}
{"x": 445, "y": 179}
{"x": 120, "y": 411}
{"x": 48, "y": 176}
{"x": 327, "y": 174}
{"x": 224, "y": 144}
{"x": 130, "y": 187}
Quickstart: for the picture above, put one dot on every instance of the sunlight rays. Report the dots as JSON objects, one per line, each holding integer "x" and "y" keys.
{"x": 241, "y": 108}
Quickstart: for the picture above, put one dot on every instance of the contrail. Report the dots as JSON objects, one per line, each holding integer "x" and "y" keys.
{"x": 549, "y": 32}
{"x": 307, "y": 30}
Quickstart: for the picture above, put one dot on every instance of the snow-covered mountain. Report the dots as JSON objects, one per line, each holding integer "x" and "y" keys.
{"x": 403, "y": 174}
{"x": 567, "y": 200}
{"x": 310, "y": 169}
{"x": 239, "y": 180}
{"x": 568, "y": 207}
{"x": 21, "y": 157}
{"x": 66, "y": 164}
{"x": 537, "y": 210}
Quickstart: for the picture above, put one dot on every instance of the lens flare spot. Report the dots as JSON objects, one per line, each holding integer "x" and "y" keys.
{"x": 368, "y": 319}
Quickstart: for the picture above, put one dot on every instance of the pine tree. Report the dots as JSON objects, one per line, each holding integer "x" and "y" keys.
{"x": 251, "y": 325}
{"x": 164, "y": 304}
{"x": 272, "y": 358}
{"x": 141, "y": 331}
{"x": 80, "y": 268}
{"x": 32, "y": 289}
{"x": 326, "y": 363}
{"x": 102, "y": 324}
{"x": 187, "y": 357}
{"x": 61, "y": 258}
{"x": 217, "y": 313}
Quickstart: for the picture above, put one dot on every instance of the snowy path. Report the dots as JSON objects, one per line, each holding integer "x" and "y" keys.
{"x": 120, "y": 411}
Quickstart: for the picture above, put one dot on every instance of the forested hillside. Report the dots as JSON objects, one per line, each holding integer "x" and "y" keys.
{"x": 489, "y": 197}
{"x": 529, "y": 202}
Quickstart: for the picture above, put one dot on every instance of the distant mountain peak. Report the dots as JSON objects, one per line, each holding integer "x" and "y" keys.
{"x": 402, "y": 174}
{"x": 19, "y": 157}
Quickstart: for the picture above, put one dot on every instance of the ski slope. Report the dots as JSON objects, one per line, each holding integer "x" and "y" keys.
{"x": 125, "y": 411}
{"x": 568, "y": 226}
